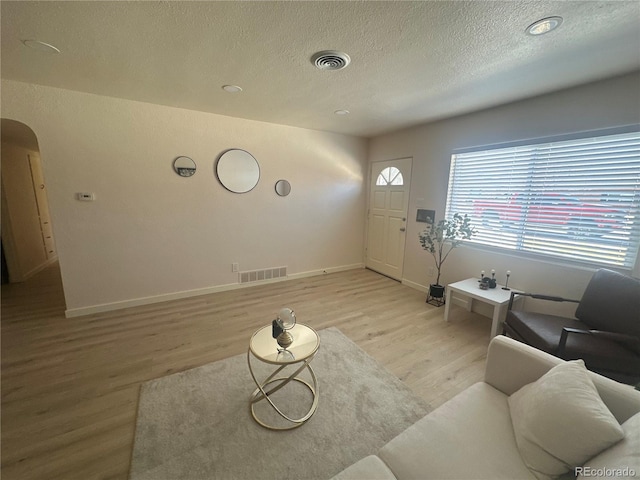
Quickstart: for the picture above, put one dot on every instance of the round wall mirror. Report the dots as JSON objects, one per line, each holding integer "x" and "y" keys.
{"x": 283, "y": 188}
{"x": 238, "y": 171}
{"x": 184, "y": 166}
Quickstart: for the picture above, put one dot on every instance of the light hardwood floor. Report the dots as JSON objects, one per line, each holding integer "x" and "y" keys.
{"x": 70, "y": 386}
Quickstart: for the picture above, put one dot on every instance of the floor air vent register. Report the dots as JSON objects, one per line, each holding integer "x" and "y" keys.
{"x": 264, "y": 274}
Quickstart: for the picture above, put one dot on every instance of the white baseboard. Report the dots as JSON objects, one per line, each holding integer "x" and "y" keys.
{"x": 325, "y": 271}
{"x": 417, "y": 286}
{"x": 136, "y": 302}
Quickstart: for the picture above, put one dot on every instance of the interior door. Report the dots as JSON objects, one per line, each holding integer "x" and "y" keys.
{"x": 42, "y": 203}
{"x": 388, "y": 205}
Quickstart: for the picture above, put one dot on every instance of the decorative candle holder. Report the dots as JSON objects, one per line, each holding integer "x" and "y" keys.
{"x": 507, "y": 282}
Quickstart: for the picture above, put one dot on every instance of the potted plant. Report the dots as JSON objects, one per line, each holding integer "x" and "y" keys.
{"x": 439, "y": 240}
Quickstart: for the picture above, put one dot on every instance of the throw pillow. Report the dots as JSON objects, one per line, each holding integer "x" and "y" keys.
{"x": 621, "y": 460}
{"x": 560, "y": 421}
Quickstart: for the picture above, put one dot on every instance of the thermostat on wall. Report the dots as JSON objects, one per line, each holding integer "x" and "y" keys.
{"x": 85, "y": 196}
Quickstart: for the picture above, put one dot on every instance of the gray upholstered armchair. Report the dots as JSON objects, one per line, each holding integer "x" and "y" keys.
{"x": 605, "y": 332}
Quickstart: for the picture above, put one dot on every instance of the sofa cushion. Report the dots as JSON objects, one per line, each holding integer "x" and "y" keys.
{"x": 369, "y": 468}
{"x": 470, "y": 436}
{"x": 624, "y": 454}
{"x": 511, "y": 365}
{"x": 560, "y": 421}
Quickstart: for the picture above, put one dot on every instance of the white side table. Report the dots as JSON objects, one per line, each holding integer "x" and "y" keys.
{"x": 497, "y": 297}
{"x": 265, "y": 348}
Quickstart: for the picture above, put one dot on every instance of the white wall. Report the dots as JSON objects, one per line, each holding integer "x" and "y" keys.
{"x": 152, "y": 235}
{"x": 609, "y": 103}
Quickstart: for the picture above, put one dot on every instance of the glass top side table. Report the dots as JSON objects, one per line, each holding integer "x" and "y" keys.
{"x": 264, "y": 348}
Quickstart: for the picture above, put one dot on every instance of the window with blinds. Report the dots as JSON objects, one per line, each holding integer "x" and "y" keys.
{"x": 575, "y": 200}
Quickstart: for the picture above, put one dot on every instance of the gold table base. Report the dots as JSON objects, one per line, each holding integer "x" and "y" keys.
{"x": 261, "y": 393}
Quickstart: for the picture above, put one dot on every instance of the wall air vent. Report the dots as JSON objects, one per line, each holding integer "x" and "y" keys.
{"x": 330, "y": 60}
{"x": 262, "y": 275}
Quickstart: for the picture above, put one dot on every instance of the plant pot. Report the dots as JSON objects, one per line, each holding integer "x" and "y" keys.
{"x": 436, "y": 295}
{"x": 436, "y": 290}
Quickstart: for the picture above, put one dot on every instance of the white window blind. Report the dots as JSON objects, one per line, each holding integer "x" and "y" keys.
{"x": 575, "y": 199}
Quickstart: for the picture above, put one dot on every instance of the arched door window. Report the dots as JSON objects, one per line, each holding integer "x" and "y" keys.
{"x": 390, "y": 176}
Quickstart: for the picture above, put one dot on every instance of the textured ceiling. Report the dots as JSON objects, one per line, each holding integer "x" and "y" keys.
{"x": 411, "y": 61}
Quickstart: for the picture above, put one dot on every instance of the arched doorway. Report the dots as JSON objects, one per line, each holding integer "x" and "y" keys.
{"x": 27, "y": 236}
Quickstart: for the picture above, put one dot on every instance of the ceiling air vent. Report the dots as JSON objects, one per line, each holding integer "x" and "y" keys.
{"x": 330, "y": 60}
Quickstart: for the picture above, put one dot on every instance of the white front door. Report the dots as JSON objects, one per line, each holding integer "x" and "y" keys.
{"x": 388, "y": 205}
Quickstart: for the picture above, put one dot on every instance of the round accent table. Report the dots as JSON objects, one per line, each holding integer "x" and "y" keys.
{"x": 264, "y": 348}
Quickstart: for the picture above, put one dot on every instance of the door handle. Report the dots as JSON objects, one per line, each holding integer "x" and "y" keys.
{"x": 402, "y": 229}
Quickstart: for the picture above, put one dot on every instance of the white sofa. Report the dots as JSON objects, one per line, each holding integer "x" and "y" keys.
{"x": 472, "y": 437}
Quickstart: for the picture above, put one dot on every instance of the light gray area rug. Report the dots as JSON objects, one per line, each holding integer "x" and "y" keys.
{"x": 197, "y": 425}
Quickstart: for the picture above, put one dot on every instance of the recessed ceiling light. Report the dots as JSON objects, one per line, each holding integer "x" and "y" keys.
{"x": 41, "y": 46}
{"x": 342, "y": 112}
{"x": 544, "y": 26}
{"x": 231, "y": 88}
